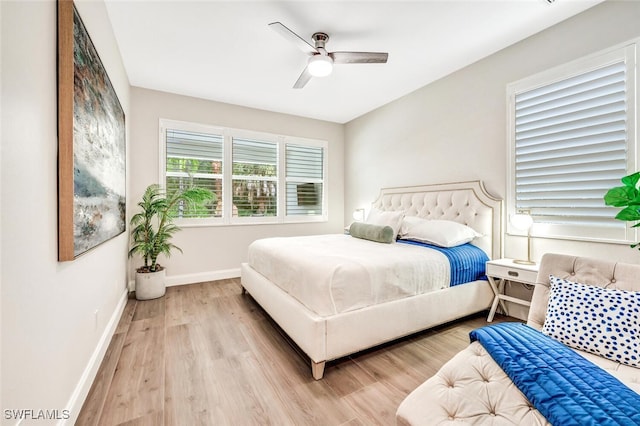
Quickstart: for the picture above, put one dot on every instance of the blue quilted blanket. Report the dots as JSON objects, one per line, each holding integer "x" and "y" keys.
{"x": 565, "y": 387}
{"x": 467, "y": 261}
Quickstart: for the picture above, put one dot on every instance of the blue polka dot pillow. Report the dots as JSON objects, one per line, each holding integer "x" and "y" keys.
{"x": 602, "y": 321}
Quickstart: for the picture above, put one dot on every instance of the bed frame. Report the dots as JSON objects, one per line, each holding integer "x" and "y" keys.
{"x": 328, "y": 338}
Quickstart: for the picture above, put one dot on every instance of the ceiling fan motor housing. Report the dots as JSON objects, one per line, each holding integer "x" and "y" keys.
{"x": 320, "y": 40}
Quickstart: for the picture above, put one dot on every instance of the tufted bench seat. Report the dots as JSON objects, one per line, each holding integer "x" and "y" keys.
{"x": 472, "y": 389}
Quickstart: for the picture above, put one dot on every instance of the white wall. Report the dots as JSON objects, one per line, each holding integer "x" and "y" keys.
{"x": 216, "y": 252}
{"x": 51, "y": 341}
{"x": 456, "y": 128}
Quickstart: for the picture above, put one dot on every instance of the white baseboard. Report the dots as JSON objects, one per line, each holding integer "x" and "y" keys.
{"x": 91, "y": 370}
{"x": 199, "y": 277}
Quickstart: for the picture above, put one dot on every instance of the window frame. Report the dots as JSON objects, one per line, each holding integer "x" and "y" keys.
{"x": 618, "y": 232}
{"x": 228, "y": 134}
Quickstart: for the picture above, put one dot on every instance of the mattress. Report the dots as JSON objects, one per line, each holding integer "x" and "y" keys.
{"x": 337, "y": 273}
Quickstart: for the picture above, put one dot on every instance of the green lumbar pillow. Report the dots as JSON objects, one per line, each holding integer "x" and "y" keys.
{"x": 368, "y": 231}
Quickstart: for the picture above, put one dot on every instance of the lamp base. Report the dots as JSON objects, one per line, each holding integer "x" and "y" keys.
{"x": 524, "y": 262}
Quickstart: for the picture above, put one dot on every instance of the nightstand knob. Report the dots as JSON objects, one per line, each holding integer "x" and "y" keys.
{"x": 512, "y": 273}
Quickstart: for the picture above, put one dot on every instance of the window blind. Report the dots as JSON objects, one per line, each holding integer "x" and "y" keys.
{"x": 255, "y": 177}
{"x": 570, "y": 146}
{"x": 305, "y": 179}
{"x": 195, "y": 159}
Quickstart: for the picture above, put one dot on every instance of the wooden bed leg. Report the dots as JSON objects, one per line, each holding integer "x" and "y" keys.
{"x": 244, "y": 290}
{"x": 317, "y": 369}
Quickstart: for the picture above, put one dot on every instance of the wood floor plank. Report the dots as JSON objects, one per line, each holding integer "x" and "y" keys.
{"x": 249, "y": 398}
{"x": 137, "y": 388}
{"x": 376, "y": 404}
{"x": 206, "y": 354}
{"x": 386, "y": 366}
{"x": 95, "y": 401}
{"x": 152, "y": 419}
{"x": 149, "y": 309}
{"x": 346, "y": 376}
{"x": 126, "y": 317}
{"x": 193, "y": 401}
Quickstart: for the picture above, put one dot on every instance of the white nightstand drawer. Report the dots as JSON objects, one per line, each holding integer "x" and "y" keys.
{"x": 527, "y": 276}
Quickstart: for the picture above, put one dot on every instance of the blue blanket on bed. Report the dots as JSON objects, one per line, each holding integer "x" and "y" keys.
{"x": 565, "y": 387}
{"x": 467, "y": 261}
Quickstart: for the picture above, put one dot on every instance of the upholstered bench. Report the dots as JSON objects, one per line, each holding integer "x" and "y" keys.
{"x": 472, "y": 389}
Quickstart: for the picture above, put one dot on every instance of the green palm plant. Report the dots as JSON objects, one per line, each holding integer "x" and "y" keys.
{"x": 152, "y": 228}
{"x": 628, "y": 197}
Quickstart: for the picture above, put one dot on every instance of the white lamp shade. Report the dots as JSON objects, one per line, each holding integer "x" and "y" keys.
{"x": 522, "y": 221}
{"x": 320, "y": 65}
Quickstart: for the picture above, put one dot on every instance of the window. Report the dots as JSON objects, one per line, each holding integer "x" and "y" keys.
{"x": 304, "y": 177}
{"x": 572, "y": 138}
{"x": 195, "y": 159}
{"x": 255, "y": 177}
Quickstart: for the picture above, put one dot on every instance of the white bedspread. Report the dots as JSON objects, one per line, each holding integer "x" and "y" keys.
{"x": 337, "y": 273}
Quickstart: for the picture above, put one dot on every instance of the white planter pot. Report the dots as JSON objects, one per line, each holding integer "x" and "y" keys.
{"x": 150, "y": 285}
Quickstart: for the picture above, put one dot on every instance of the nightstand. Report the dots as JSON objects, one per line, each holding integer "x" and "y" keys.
{"x": 506, "y": 270}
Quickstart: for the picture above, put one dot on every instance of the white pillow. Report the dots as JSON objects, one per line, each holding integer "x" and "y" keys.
{"x": 443, "y": 233}
{"x": 408, "y": 222}
{"x": 602, "y": 321}
{"x": 386, "y": 218}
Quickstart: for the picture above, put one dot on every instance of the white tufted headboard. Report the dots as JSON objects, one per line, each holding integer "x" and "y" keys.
{"x": 468, "y": 203}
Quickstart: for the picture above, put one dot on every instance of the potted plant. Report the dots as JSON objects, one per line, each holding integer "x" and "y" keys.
{"x": 151, "y": 232}
{"x": 628, "y": 197}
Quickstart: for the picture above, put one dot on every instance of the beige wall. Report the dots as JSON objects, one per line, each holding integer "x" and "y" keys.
{"x": 51, "y": 338}
{"x": 455, "y": 129}
{"x": 217, "y": 251}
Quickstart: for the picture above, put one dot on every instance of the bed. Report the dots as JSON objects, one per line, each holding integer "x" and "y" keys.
{"x": 579, "y": 306}
{"x": 328, "y": 326}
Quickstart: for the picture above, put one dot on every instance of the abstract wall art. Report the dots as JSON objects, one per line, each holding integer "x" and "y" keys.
{"x": 91, "y": 143}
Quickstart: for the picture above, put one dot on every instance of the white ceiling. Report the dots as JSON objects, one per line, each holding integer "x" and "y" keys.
{"x": 225, "y": 51}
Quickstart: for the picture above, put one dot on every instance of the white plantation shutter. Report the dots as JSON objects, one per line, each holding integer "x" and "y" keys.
{"x": 195, "y": 159}
{"x": 247, "y": 151}
{"x": 255, "y": 177}
{"x": 571, "y": 144}
{"x": 572, "y": 139}
{"x": 305, "y": 180}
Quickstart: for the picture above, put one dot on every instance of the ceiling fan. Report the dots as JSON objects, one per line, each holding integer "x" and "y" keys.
{"x": 321, "y": 62}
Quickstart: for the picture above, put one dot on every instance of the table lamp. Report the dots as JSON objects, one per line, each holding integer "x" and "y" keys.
{"x": 523, "y": 221}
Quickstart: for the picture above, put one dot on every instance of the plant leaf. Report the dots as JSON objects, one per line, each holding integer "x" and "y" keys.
{"x": 619, "y": 196}
{"x": 630, "y": 213}
{"x": 631, "y": 180}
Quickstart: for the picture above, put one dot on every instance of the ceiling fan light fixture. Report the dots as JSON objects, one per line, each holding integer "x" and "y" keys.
{"x": 320, "y": 65}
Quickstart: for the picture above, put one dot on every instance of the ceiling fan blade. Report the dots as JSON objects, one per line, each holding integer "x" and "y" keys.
{"x": 359, "y": 57}
{"x": 293, "y": 37}
{"x": 303, "y": 79}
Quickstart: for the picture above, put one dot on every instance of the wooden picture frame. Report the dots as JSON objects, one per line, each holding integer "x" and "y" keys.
{"x": 91, "y": 143}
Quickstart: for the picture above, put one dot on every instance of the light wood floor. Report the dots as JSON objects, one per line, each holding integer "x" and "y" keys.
{"x": 205, "y": 354}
